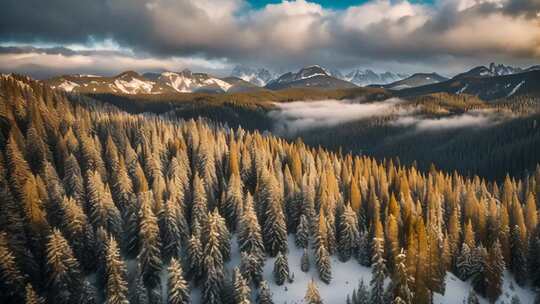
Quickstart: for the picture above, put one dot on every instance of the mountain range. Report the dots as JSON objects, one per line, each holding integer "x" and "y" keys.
{"x": 490, "y": 82}
{"x": 149, "y": 83}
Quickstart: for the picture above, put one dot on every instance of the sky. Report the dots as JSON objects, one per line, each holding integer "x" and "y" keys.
{"x": 44, "y": 38}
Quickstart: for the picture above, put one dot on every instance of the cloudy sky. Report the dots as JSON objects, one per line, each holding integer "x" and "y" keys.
{"x": 108, "y": 36}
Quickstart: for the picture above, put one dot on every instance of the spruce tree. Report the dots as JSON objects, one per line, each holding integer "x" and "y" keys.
{"x": 401, "y": 280}
{"x": 116, "y": 289}
{"x": 304, "y": 261}
{"x": 232, "y": 206}
{"x": 178, "y": 288}
{"x": 348, "y": 234}
{"x": 312, "y": 294}
{"x": 31, "y": 296}
{"x": 378, "y": 272}
{"x": 302, "y": 233}
{"x": 241, "y": 288}
{"x": 494, "y": 272}
{"x": 195, "y": 258}
{"x": 251, "y": 267}
{"x": 324, "y": 266}
{"x": 65, "y": 278}
{"x": 265, "y": 295}
{"x": 281, "y": 269}
{"x": 518, "y": 262}
{"x": 274, "y": 229}
{"x": 361, "y": 294}
{"x": 13, "y": 280}
{"x": 150, "y": 254}
{"x": 249, "y": 235}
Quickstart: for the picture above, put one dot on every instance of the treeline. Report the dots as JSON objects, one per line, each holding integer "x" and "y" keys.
{"x": 98, "y": 205}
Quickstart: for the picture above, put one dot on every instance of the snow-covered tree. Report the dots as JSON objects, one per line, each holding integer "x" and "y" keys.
{"x": 242, "y": 292}
{"x": 281, "y": 269}
{"x": 312, "y": 294}
{"x": 378, "y": 272}
{"x": 178, "y": 287}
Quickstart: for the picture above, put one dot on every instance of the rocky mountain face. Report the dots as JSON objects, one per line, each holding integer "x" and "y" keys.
{"x": 309, "y": 77}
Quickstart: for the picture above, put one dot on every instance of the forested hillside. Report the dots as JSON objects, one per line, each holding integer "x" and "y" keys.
{"x": 99, "y": 205}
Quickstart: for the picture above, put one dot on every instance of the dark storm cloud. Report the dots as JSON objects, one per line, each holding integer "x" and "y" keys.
{"x": 291, "y": 33}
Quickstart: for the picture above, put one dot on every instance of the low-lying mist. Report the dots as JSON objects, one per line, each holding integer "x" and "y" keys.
{"x": 294, "y": 117}
{"x": 477, "y": 118}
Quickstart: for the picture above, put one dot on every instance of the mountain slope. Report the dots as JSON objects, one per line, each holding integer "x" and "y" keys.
{"x": 309, "y": 77}
{"x": 487, "y": 88}
{"x": 415, "y": 80}
{"x": 369, "y": 77}
{"x": 258, "y": 77}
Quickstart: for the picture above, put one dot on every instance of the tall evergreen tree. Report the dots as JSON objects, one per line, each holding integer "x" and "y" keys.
{"x": 378, "y": 272}
{"x": 178, "y": 287}
{"x": 116, "y": 289}
{"x": 265, "y": 295}
{"x": 241, "y": 288}
{"x": 281, "y": 269}
{"x": 312, "y": 294}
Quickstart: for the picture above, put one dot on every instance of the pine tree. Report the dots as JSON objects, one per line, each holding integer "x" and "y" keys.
{"x": 199, "y": 207}
{"x": 178, "y": 287}
{"x": 116, "y": 289}
{"x": 265, "y": 295}
{"x": 361, "y": 294}
{"x": 13, "y": 280}
{"x": 275, "y": 228}
{"x": 304, "y": 261}
{"x": 378, "y": 272}
{"x": 232, "y": 208}
{"x": 281, "y": 269}
{"x": 312, "y": 294}
{"x": 150, "y": 255}
{"x": 401, "y": 281}
{"x": 249, "y": 236}
{"x": 103, "y": 212}
{"x": 241, "y": 288}
{"x": 364, "y": 250}
{"x": 534, "y": 260}
{"x": 518, "y": 260}
{"x": 212, "y": 265}
{"x": 494, "y": 272}
{"x": 302, "y": 233}
{"x": 63, "y": 270}
{"x": 464, "y": 262}
{"x": 172, "y": 230}
{"x": 195, "y": 258}
{"x": 251, "y": 267}
{"x": 32, "y": 297}
{"x": 348, "y": 234}
{"x": 322, "y": 260}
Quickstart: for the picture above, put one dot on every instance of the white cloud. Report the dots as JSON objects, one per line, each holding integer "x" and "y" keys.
{"x": 292, "y": 117}
{"x": 469, "y": 119}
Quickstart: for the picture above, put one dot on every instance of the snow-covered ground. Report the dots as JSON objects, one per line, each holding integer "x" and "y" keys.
{"x": 345, "y": 278}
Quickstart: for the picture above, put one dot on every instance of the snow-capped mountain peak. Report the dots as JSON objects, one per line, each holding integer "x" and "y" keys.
{"x": 259, "y": 77}
{"x": 369, "y": 77}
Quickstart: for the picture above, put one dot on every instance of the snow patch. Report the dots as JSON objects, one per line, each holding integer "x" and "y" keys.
{"x": 134, "y": 86}
{"x": 515, "y": 89}
{"x": 68, "y": 86}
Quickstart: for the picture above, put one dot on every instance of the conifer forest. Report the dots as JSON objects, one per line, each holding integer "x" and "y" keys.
{"x": 103, "y": 205}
